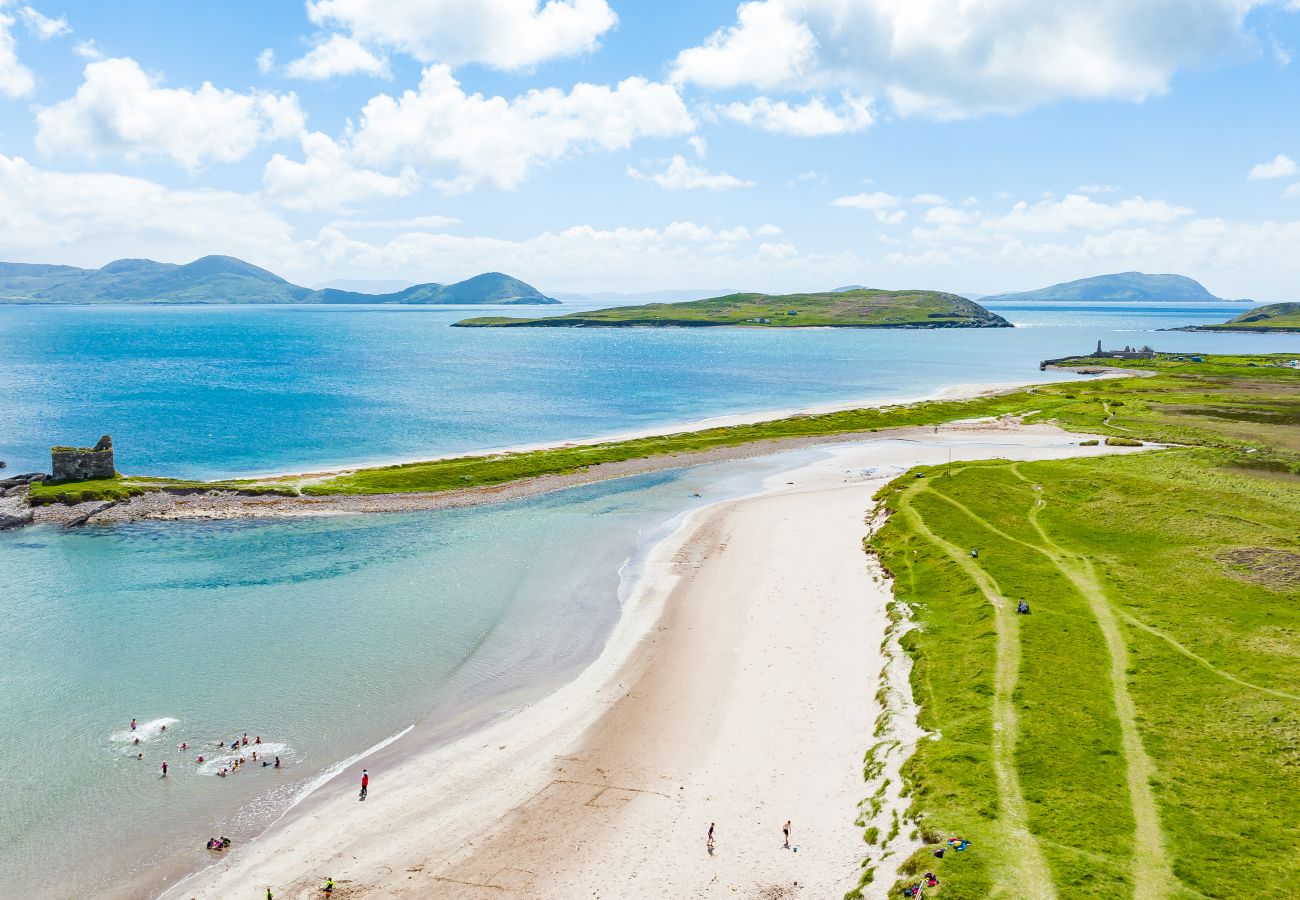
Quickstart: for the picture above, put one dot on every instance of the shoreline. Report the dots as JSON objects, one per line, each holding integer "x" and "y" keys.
{"x": 227, "y": 505}
{"x": 488, "y": 803}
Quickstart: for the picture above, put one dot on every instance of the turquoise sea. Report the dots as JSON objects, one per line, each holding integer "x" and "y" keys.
{"x": 327, "y": 637}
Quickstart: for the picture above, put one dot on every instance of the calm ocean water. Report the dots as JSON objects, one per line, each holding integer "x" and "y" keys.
{"x": 216, "y": 391}
{"x": 328, "y": 636}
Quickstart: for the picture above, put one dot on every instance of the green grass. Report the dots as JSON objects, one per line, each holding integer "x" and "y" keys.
{"x": 1138, "y": 734}
{"x": 1216, "y": 403}
{"x": 857, "y": 309}
{"x": 42, "y": 494}
{"x": 1273, "y": 317}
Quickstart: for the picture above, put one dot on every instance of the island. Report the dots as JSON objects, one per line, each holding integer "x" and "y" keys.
{"x": 1273, "y": 318}
{"x": 1117, "y": 287}
{"x": 227, "y": 280}
{"x": 865, "y": 308}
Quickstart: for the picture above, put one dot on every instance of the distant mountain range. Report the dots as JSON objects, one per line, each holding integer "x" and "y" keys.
{"x": 224, "y": 279}
{"x": 1120, "y": 286}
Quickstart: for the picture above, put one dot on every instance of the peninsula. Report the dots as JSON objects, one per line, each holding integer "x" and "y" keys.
{"x": 1275, "y": 318}
{"x": 865, "y": 308}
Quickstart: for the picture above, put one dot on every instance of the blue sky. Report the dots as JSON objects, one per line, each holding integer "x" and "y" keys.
{"x": 591, "y": 145}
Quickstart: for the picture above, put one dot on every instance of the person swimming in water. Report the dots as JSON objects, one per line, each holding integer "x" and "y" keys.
{"x": 139, "y": 756}
{"x": 133, "y": 724}
{"x": 277, "y": 762}
{"x": 164, "y": 768}
{"x": 163, "y": 728}
{"x": 136, "y": 741}
{"x": 184, "y": 745}
{"x": 199, "y": 760}
{"x": 258, "y": 739}
{"x": 245, "y": 738}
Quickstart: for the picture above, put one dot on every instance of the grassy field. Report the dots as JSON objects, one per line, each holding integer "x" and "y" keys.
{"x": 1224, "y": 401}
{"x": 1273, "y": 317}
{"x": 864, "y": 308}
{"x": 1138, "y": 734}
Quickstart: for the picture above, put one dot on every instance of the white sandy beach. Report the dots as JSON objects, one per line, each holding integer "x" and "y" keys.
{"x": 738, "y": 688}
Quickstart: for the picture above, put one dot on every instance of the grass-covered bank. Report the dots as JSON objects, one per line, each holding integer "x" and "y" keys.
{"x": 1224, "y": 401}
{"x": 1138, "y": 733}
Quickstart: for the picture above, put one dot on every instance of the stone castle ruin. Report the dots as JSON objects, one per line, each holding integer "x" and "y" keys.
{"x": 83, "y": 463}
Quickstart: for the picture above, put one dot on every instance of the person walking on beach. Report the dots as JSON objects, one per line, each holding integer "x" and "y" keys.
{"x": 365, "y": 783}
{"x": 269, "y": 895}
{"x": 785, "y": 829}
{"x": 709, "y": 845}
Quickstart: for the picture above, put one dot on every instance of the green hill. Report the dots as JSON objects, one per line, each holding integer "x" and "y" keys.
{"x": 1283, "y": 317}
{"x": 846, "y": 309}
{"x": 226, "y": 280}
{"x": 1120, "y": 286}
{"x": 490, "y": 287}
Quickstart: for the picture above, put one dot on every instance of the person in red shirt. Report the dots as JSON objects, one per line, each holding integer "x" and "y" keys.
{"x": 365, "y": 783}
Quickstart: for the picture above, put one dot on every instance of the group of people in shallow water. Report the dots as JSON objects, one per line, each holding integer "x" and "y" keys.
{"x": 236, "y": 744}
{"x": 239, "y": 744}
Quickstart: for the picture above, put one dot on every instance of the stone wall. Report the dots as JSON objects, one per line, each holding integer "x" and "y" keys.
{"x": 83, "y": 463}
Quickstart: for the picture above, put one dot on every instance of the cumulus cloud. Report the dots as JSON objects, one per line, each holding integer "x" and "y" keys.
{"x": 266, "y": 60}
{"x": 953, "y": 58}
{"x": 1280, "y": 167}
{"x": 814, "y": 118}
{"x": 42, "y": 26}
{"x": 929, "y": 200}
{"x": 338, "y": 55}
{"x": 1076, "y": 211}
{"x": 88, "y": 49}
{"x": 327, "y": 178}
{"x": 438, "y": 126}
{"x": 15, "y": 79}
{"x": 504, "y": 34}
{"x": 55, "y": 215}
{"x": 699, "y": 145}
{"x": 680, "y": 175}
{"x": 878, "y": 202}
{"x": 118, "y": 108}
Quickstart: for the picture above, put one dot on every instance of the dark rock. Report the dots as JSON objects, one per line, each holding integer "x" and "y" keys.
{"x": 15, "y": 519}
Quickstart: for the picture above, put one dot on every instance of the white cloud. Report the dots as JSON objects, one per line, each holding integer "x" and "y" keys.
{"x": 88, "y": 49}
{"x": 1096, "y": 189}
{"x": 327, "y": 178}
{"x": 682, "y": 176}
{"x": 929, "y": 200}
{"x": 952, "y": 58}
{"x": 504, "y": 34}
{"x": 499, "y": 140}
{"x": 768, "y": 230}
{"x": 1292, "y": 191}
{"x": 119, "y": 108}
{"x": 1280, "y": 167}
{"x": 42, "y": 26}
{"x": 875, "y": 201}
{"x": 699, "y": 145}
{"x": 338, "y": 55}
{"x": 266, "y": 61}
{"x": 812, "y": 119}
{"x": 15, "y": 79}
{"x": 1075, "y": 211}
{"x": 878, "y": 202}
{"x": 91, "y": 218}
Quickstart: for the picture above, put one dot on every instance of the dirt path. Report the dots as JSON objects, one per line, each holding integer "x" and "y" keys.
{"x": 1153, "y": 877}
{"x": 1024, "y": 870}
